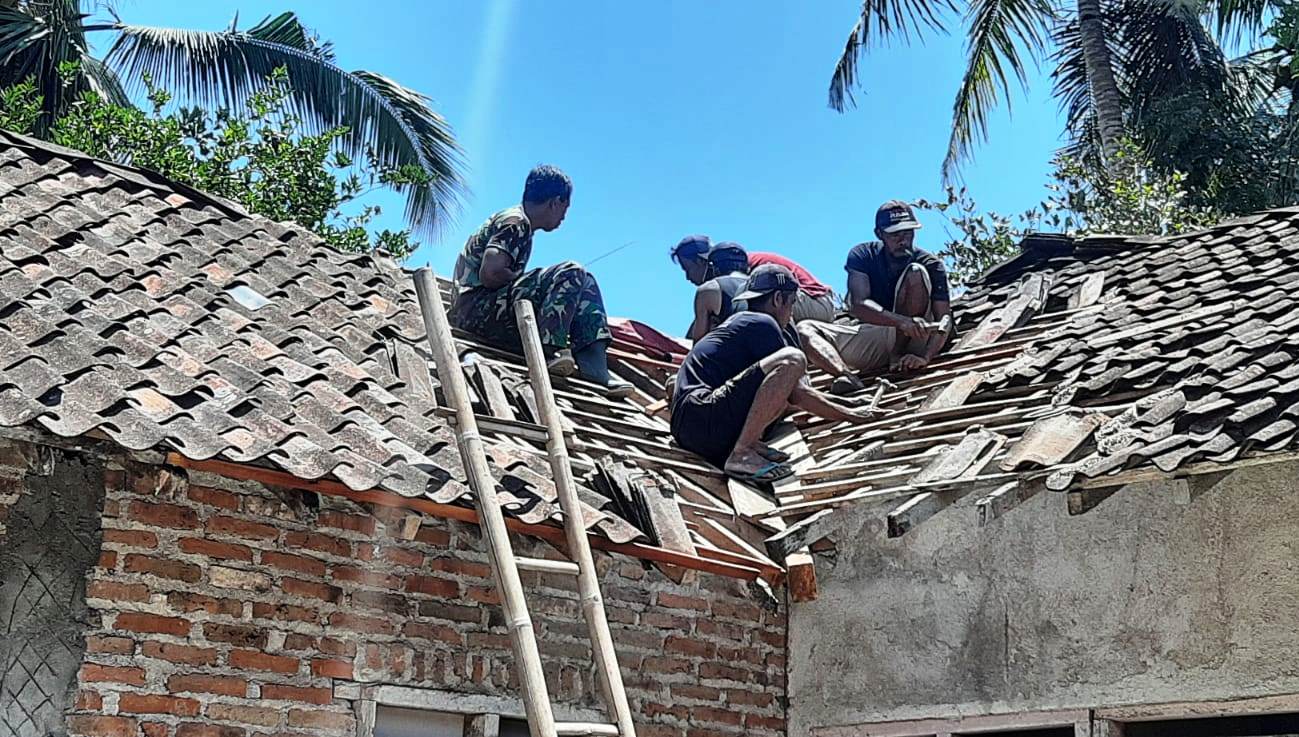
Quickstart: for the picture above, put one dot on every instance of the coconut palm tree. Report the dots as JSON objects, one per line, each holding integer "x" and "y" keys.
{"x": 46, "y": 40}
{"x": 1112, "y": 59}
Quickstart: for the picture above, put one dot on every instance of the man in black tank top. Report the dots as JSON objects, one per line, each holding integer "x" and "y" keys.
{"x": 715, "y": 299}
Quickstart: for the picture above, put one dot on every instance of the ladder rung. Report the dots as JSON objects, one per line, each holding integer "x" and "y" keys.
{"x": 586, "y": 728}
{"x": 543, "y": 565}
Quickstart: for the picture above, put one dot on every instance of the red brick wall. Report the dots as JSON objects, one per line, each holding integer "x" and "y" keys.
{"x": 229, "y": 610}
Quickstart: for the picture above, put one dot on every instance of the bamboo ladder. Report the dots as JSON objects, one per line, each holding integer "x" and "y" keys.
{"x": 505, "y": 565}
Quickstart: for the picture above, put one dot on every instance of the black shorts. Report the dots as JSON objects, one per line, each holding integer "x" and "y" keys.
{"x": 709, "y": 422}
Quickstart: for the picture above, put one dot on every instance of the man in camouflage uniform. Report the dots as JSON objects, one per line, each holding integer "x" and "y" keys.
{"x": 491, "y": 275}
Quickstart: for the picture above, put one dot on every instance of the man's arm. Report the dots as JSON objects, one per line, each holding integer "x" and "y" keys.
{"x": 497, "y": 268}
{"x": 708, "y": 305}
{"x": 862, "y": 307}
{"x": 810, "y": 400}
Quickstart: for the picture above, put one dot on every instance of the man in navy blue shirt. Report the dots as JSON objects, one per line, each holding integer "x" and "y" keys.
{"x": 741, "y": 377}
{"x": 898, "y": 294}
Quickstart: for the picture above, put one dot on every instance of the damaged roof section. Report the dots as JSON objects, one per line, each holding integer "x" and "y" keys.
{"x": 139, "y": 311}
{"x": 1081, "y": 365}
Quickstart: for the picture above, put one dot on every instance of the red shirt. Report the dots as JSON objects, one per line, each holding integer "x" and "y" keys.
{"x": 806, "y": 281}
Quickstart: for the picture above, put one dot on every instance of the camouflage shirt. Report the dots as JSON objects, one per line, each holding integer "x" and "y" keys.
{"x": 509, "y": 232}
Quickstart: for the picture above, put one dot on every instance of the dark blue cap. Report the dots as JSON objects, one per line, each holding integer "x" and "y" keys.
{"x": 691, "y": 247}
{"x": 894, "y": 216}
{"x": 768, "y": 278}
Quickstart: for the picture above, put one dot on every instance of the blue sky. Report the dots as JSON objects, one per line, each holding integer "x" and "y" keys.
{"x": 673, "y": 117}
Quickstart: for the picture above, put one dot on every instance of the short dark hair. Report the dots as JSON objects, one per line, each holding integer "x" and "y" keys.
{"x": 546, "y": 182}
{"x": 690, "y": 248}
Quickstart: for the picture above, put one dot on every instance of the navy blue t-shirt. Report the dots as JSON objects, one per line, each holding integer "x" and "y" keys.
{"x": 871, "y": 260}
{"x": 732, "y": 347}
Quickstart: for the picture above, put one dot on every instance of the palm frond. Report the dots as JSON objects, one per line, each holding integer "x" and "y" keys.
{"x": 1002, "y": 33}
{"x": 104, "y": 81}
{"x": 223, "y": 69}
{"x": 287, "y": 29}
{"x": 37, "y": 40}
{"x": 1235, "y": 18}
{"x": 1170, "y": 51}
{"x": 879, "y": 21}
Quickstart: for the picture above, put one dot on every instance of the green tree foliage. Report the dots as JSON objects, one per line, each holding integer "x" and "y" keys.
{"x": 364, "y": 114}
{"x": 261, "y": 159}
{"x": 1131, "y": 196}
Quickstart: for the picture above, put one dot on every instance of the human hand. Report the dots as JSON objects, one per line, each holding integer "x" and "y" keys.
{"x": 912, "y": 362}
{"x": 916, "y": 328}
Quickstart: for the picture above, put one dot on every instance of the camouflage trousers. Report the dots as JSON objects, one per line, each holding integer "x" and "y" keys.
{"x": 570, "y": 310}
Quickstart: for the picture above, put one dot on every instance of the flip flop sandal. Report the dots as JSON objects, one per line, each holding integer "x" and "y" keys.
{"x": 778, "y": 456}
{"x": 770, "y": 473}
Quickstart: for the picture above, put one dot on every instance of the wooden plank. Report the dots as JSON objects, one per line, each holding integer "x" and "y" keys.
{"x": 976, "y": 483}
{"x": 965, "y": 725}
{"x": 800, "y": 573}
{"x": 482, "y": 725}
{"x": 802, "y": 533}
{"x": 1089, "y": 292}
{"x": 749, "y": 502}
{"x": 913, "y": 511}
{"x": 1004, "y": 498}
{"x": 1082, "y": 501}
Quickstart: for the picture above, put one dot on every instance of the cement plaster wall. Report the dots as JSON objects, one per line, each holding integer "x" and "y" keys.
{"x": 1142, "y": 600}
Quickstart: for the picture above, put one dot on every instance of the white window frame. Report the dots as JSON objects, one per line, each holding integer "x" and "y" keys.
{"x": 483, "y": 713}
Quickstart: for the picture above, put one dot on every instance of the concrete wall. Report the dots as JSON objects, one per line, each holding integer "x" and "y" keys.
{"x": 1141, "y": 600}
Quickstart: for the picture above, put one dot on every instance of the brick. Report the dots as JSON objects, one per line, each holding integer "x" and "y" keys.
{"x": 331, "y": 668}
{"x": 196, "y": 729}
{"x": 453, "y": 612}
{"x": 134, "y": 703}
{"x": 717, "y": 670}
{"x": 733, "y": 632}
{"x": 334, "y": 646}
{"x": 662, "y": 620}
{"x": 88, "y": 701}
{"x": 460, "y": 566}
{"x": 311, "y": 589}
{"x": 665, "y": 665}
{"x": 257, "y": 660}
{"x": 429, "y": 631}
{"x": 436, "y": 536}
{"x": 367, "y": 625}
{"x": 107, "y": 560}
{"x": 155, "y": 729}
{"x": 482, "y": 595}
{"x": 242, "y": 714}
{"x": 183, "y": 654}
{"x": 315, "y": 719}
{"x": 674, "y": 601}
{"x": 748, "y": 698}
{"x": 716, "y": 716}
{"x": 278, "y": 692}
{"x": 235, "y": 634}
{"x": 285, "y": 612}
{"x": 220, "y": 685}
{"x": 737, "y": 610}
{"x": 691, "y": 691}
{"x": 188, "y": 601}
{"x": 354, "y": 522}
{"x": 114, "y": 591}
{"x": 300, "y": 642}
{"x": 163, "y": 515}
{"x": 162, "y": 568}
{"x": 213, "y": 497}
{"x": 404, "y": 557}
{"x": 214, "y": 549}
{"x": 101, "y": 726}
{"x": 391, "y": 603}
{"x": 326, "y": 544}
{"x": 431, "y": 586}
{"x": 97, "y": 673}
{"x": 224, "y": 577}
{"x": 298, "y": 563}
{"x": 688, "y": 646}
{"x": 110, "y": 645}
{"x": 152, "y": 623}
{"x": 364, "y": 577}
{"x": 654, "y": 710}
{"x": 241, "y": 528}
{"x": 757, "y": 721}
{"x": 131, "y": 538}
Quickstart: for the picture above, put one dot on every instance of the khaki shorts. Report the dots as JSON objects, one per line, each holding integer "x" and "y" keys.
{"x": 867, "y": 347}
{"x": 820, "y": 309}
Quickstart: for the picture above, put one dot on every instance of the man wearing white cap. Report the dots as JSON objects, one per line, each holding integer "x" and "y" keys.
{"x": 899, "y": 294}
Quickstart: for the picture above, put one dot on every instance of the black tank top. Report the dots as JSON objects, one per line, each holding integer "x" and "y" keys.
{"x": 731, "y": 285}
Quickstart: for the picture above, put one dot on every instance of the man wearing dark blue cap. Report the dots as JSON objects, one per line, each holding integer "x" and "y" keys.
{"x": 899, "y": 294}
{"x": 741, "y": 377}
